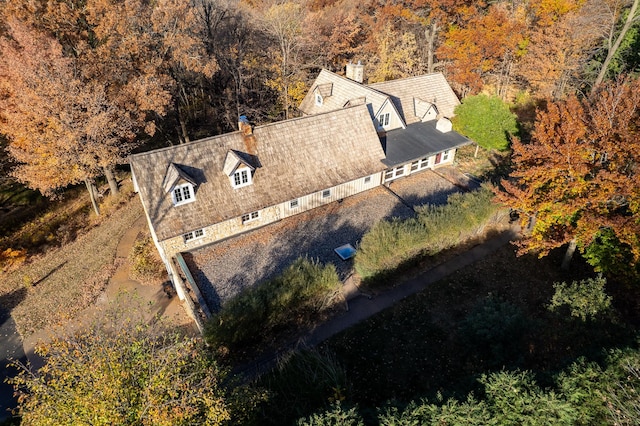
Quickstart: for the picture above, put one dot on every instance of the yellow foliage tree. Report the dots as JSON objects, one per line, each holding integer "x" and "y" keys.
{"x": 125, "y": 372}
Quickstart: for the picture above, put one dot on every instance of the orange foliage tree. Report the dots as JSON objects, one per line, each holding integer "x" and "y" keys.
{"x": 561, "y": 37}
{"x": 484, "y": 48}
{"x": 61, "y": 131}
{"x": 580, "y": 174}
{"x": 116, "y": 68}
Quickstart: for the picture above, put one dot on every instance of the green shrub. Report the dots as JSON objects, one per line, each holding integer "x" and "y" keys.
{"x": 585, "y": 299}
{"x": 487, "y": 120}
{"x": 336, "y": 416}
{"x": 389, "y": 244}
{"x": 304, "y": 288}
{"x": 494, "y": 330}
{"x": 611, "y": 257}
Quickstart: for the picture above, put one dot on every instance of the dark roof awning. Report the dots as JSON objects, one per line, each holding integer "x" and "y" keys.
{"x": 417, "y": 141}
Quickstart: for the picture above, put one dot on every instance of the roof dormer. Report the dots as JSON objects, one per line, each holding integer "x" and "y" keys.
{"x": 425, "y": 111}
{"x": 180, "y": 184}
{"x": 239, "y": 170}
{"x": 323, "y": 91}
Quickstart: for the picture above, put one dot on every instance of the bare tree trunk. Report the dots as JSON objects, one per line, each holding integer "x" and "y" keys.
{"x": 113, "y": 183}
{"x": 477, "y": 149}
{"x": 569, "y": 255}
{"x": 92, "y": 194}
{"x": 183, "y": 126}
{"x": 616, "y": 45}
{"x": 505, "y": 79}
{"x": 430, "y": 34}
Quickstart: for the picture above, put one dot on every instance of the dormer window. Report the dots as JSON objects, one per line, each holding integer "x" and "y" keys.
{"x": 180, "y": 184}
{"x": 383, "y": 119}
{"x": 239, "y": 169}
{"x": 241, "y": 177}
{"x": 322, "y": 91}
{"x": 182, "y": 194}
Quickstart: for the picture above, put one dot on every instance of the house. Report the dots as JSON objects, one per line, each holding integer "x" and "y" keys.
{"x": 352, "y": 138}
{"x": 411, "y": 115}
{"x": 208, "y": 190}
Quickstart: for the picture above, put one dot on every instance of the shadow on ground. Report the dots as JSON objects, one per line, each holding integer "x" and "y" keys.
{"x": 224, "y": 269}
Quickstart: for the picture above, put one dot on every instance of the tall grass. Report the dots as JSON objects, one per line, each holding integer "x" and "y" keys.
{"x": 305, "y": 288}
{"x": 389, "y": 244}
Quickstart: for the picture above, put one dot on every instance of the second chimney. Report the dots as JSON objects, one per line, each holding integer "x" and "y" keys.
{"x": 355, "y": 72}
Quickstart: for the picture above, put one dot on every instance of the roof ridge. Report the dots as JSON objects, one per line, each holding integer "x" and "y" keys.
{"x": 210, "y": 138}
{"x": 408, "y": 78}
{"x": 307, "y": 117}
{"x": 187, "y": 144}
{"x": 348, "y": 80}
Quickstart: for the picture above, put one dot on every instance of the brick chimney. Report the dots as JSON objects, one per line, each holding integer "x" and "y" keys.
{"x": 245, "y": 128}
{"x": 355, "y": 72}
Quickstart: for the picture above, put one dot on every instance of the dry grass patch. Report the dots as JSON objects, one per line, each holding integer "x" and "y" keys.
{"x": 55, "y": 286}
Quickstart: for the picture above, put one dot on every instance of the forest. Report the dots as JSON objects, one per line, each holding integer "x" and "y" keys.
{"x": 86, "y": 82}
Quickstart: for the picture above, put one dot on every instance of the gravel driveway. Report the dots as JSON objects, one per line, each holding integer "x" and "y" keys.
{"x": 223, "y": 269}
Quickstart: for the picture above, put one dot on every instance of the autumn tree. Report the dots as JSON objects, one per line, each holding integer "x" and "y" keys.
{"x": 580, "y": 173}
{"x": 483, "y": 49}
{"x": 60, "y": 131}
{"x": 230, "y": 37}
{"x": 126, "y": 372}
{"x": 341, "y": 35}
{"x": 285, "y": 22}
{"x": 561, "y": 37}
{"x": 149, "y": 53}
{"x": 396, "y": 56}
{"x": 125, "y": 63}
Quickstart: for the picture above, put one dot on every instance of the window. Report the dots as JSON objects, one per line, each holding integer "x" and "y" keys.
{"x": 241, "y": 178}
{"x": 393, "y": 173}
{"x": 383, "y": 119}
{"x": 198, "y": 233}
{"x": 318, "y": 99}
{"x": 326, "y": 193}
{"x": 293, "y": 204}
{"x": 250, "y": 217}
{"x": 182, "y": 194}
{"x": 367, "y": 179}
{"x": 445, "y": 155}
{"x": 420, "y": 164}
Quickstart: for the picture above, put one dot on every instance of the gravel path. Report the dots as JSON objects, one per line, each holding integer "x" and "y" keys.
{"x": 224, "y": 269}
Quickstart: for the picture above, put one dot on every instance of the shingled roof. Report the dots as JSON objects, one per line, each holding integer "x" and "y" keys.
{"x": 296, "y": 157}
{"x": 343, "y": 91}
{"x": 432, "y": 88}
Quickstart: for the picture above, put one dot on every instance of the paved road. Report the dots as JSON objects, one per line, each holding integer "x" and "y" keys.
{"x": 10, "y": 348}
